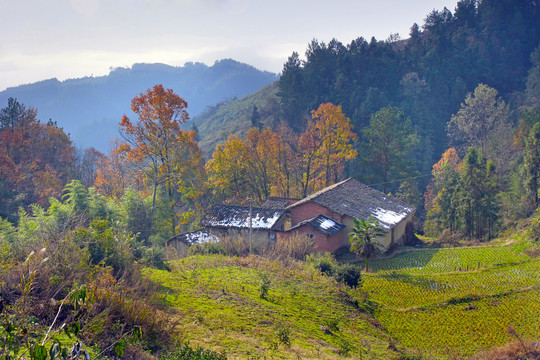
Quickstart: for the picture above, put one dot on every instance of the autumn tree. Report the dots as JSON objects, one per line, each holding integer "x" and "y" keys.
{"x": 86, "y": 164}
{"x": 115, "y": 174}
{"x": 439, "y": 198}
{"x": 246, "y": 169}
{"x": 262, "y": 147}
{"x": 309, "y": 165}
{"x": 324, "y": 148}
{"x": 227, "y": 170}
{"x": 390, "y": 140}
{"x": 287, "y": 163}
{"x": 284, "y": 164}
{"x": 168, "y": 157}
{"x": 335, "y": 131}
{"x": 36, "y": 159}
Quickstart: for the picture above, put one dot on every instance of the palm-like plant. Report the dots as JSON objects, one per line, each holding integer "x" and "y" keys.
{"x": 362, "y": 236}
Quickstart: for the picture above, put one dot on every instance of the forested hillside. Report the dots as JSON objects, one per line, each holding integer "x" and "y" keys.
{"x": 467, "y": 78}
{"x": 426, "y": 76}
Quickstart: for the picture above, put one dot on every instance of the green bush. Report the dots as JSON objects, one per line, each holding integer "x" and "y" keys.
{"x": 283, "y": 334}
{"x": 348, "y": 274}
{"x": 324, "y": 262}
{"x": 154, "y": 256}
{"x": 325, "y": 268}
{"x": 208, "y": 248}
{"x": 264, "y": 285}
{"x": 187, "y": 353}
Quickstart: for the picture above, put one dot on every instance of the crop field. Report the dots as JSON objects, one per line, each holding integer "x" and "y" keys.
{"x": 455, "y": 302}
{"x": 430, "y": 261}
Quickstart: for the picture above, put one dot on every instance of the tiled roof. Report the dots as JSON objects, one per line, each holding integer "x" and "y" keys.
{"x": 228, "y": 216}
{"x": 322, "y": 224}
{"x": 359, "y": 201}
{"x": 195, "y": 237}
{"x": 277, "y": 203}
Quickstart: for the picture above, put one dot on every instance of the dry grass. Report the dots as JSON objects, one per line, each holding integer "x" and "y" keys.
{"x": 512, "y": 351}
{"x": 294, "y": 247}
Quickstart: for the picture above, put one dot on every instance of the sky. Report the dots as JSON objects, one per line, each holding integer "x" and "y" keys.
{"x": 43, "y": 39}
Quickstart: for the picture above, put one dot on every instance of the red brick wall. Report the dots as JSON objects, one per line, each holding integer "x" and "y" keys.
{"x": 321, "y": 242}
{"x": 309, "y": 210}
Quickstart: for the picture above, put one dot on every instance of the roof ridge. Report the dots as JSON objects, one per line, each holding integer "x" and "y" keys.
{"x": 319, "y": 193}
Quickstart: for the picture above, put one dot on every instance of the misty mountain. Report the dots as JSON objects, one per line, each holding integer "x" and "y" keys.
{"x": 90, "y": 108}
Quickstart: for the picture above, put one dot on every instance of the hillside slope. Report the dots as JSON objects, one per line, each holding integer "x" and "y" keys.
{"x": 91, "y": 108}
{"x": 304, "y": 315}
{"x": 217, "y": 122}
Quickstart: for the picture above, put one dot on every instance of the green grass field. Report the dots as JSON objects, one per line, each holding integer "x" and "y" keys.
{"x": 432, "y": 303}
{"x": 218, "y": 303}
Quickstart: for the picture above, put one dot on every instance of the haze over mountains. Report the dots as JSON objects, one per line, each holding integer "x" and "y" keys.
{"x": 90, "y": 108}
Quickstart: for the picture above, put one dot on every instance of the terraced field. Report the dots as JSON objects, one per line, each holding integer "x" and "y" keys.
{"x": 455, "y": 302}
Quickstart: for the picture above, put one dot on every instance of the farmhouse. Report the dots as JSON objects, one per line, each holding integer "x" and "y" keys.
{"x": 330, "y": 213}
{"x": 325, "y": 216}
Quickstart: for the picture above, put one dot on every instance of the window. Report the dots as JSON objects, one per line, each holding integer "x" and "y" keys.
{"x": 272, "y": 236}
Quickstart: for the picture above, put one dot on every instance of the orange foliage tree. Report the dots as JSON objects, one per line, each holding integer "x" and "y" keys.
{"x": 227, "y": 170}
{"x": 325, "y": 147}
{"x": 114, "y": 174}
{"x": 167, "y": 157}
{"x": 243, "y": 169}
{"x": 441, "y": 211}
{"x": 335, "y": 130}
{"x": 283, "y": 163}
{"x": 36, "y": 160}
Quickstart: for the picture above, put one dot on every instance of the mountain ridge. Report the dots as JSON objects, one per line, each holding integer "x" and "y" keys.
{"x": 89, "y": 108}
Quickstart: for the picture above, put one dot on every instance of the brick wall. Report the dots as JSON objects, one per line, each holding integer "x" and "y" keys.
{"x": 309, "y": 210}
{"x": 321, "y": 242}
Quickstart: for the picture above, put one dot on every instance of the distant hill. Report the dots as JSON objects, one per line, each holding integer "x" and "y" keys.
{"x": 233, "y": 116}
{"x": 90, "y": 108}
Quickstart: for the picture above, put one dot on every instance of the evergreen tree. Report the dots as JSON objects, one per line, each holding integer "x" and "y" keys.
{"x": 476, "y": 202}
{"x": 256, "y": 118}
{"x": 531, "y": 166}
{"x": 390, "y": 139}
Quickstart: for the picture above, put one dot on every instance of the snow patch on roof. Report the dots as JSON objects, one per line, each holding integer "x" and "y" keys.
{"x": 327, "y": 224}
{"x": 258, "y": 221}
{"x": 389, "y": 218}
{"x": 200, "y": 237}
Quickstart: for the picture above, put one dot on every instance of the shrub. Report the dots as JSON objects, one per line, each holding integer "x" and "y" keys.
{"x": 154, "y": 256}
{"x": 348, "y": 274}
{"x": 187, "y": 353}
{"x": 283, "y": 334}
{"x": 264, "y": 285}
{"x": 235, "y": 246}
{"x": 324, "y": 262}
{"x": 206, "y": 249}
{"x": 325, "y": 268}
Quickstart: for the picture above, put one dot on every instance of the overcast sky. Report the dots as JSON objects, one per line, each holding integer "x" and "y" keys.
{"x": 42, "y": 39}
